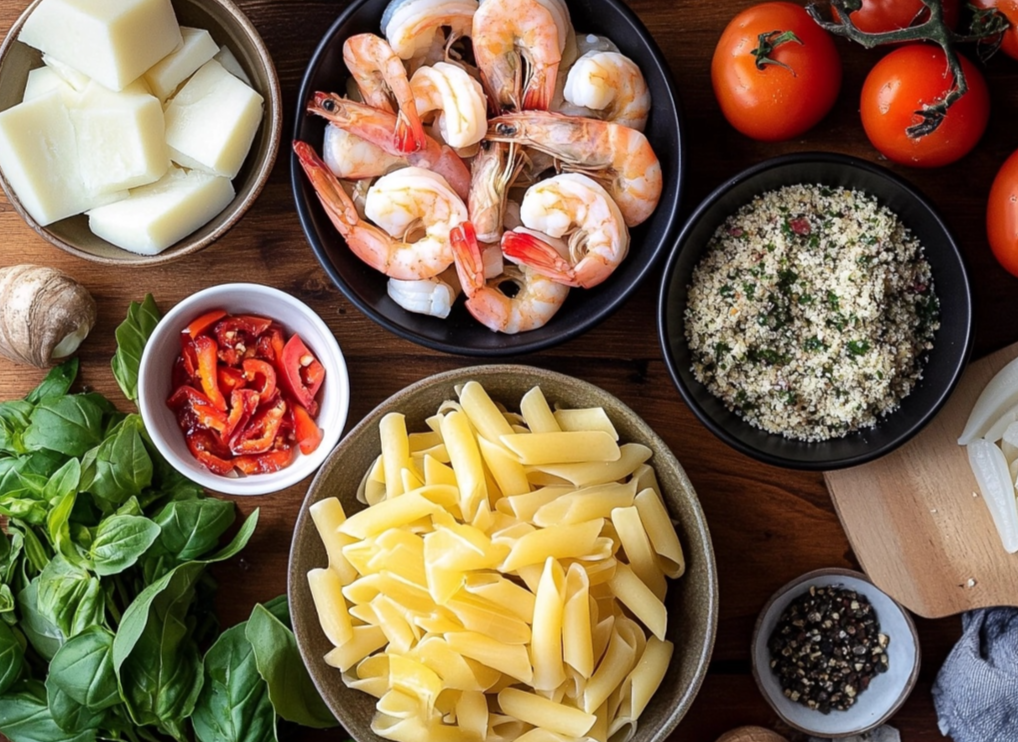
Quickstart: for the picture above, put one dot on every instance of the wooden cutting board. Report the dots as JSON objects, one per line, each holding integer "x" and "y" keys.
{"x": 915, "y": 523}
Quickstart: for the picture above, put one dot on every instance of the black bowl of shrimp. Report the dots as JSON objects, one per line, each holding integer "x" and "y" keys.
{"x": 488, "y": 180}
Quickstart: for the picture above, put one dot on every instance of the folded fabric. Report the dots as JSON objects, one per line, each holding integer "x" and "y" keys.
{"x": 976, "y": 693}
{"x": 880, "y": 734}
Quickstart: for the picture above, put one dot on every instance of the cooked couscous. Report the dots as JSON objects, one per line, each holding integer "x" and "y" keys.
{"x": 811, "y": 312}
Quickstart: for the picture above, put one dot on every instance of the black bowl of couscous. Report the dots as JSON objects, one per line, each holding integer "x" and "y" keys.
{"x": 815, "y": 312}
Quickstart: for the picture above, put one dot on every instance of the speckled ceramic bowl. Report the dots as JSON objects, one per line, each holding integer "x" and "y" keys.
{"x": 692, "y": 600}
{"x": 229, "y": 27}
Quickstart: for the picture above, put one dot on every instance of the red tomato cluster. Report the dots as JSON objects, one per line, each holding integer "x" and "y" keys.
{"x": 244, "y": 395}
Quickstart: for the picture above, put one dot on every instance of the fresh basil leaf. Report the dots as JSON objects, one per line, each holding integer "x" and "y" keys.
{"x": 43, "y": 463}
{"x": 26, "y": 509}
{"x": 57, "y": 382}
{"x": 83, "y": 669}
{"x": 68, "y": 714}
{"x": 58, "y": 525}
{"x": 42, "y": 634}
{"x": 36, "y": 553}
{"x": 131, "y": 507}
{"x": 120, "y": 541}
{"x": 70, "y": 597}
{"x": 12, "y": 657}
{"x": 70, "y": 425}
{"x": 279, "y": 607}
{"x": 234, "y": 703}
{"x": 293, "y": 694}
{"x": 25, "y": 717}
{"x": 64, "y": 481}
{"x": 119, "y": 468}
{"x": 7, "y": 604}
{"x": 15, "y": 417}
{"x": 190, "y": 528}
{"x": 132, "y": 334}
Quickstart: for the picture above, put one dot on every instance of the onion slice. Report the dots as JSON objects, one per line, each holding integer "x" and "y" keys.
{"x": 994, "y": 480}
{"x": 999, "y": 396}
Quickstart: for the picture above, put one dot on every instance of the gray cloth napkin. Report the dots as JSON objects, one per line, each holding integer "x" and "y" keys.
{"x": 976, "y": 693}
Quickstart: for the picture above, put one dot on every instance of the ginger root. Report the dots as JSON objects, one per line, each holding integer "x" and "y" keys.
{"x": 44, "y": 314}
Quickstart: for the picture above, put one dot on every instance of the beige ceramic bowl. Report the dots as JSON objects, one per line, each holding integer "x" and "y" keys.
{"x": 692, "y": 600}
{"x": 229, "y": 27}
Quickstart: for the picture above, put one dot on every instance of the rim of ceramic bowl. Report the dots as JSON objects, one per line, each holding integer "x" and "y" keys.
{"x": 304, "y": 465}
{"x": 679, "y": 248}
{"x": 791, "y": 585}
{"x": 517, "y": 347}
{"x": 273, "y": 121}
{"x": 702, "y": 653}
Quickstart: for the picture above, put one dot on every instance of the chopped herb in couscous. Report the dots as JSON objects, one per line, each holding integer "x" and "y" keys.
{"x": 811, "y": 312}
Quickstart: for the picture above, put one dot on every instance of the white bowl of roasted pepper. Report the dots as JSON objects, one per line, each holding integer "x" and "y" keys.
{"x": 833, "y": 654}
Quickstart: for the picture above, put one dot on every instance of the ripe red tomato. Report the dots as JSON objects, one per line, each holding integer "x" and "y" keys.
{"x": 901, "y": 84}
{"x": 1009, "y": 8}
{"x": 778, "y": 93}
{"x": 1002, "y": 215}
{"x": 880, "y": 16}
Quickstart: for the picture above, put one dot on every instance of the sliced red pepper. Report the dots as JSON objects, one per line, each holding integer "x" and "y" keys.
{"x": 230, "y": 379}
{"x": 243, "y": 404}
{"x": 180, "y": 375}
{"x": 203, "y": 323}
{"x": 236, "y": 334}
{"x": 190, "y": 357}
{"x": 271, "y": 344}
{"x": 267, "y": 462}
{"x": 306, "y": 430}
{"x": 208, "y": 367}
{"x": 203, "y": 447}
{"x": 260, "y": 376}
{"x": 260, "y": 433}
{"x": 296, "y": 358}
{"x": 189, "y": 399}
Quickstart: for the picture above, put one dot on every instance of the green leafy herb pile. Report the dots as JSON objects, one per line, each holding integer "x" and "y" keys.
{"x": 105, "y": 602}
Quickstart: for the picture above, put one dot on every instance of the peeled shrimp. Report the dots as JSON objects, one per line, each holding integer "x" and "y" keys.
{"x": 492, "y": 173}
{"x": 459, "y": 99}
{"x": 518, "y": 46}
{"x": 535, "y": 302}
{"x": 611, "y": 84}
{"x": 576, "y": 207}
{"x": 395, "y": 257}
{"x": 378, "y": 72}
{"x": 376, "y": 127}
{"x": 431, "y": 296}
{"x": 619, "y": 157}
{"x": 349, "y": 156}
{"x": 410, "y": 26}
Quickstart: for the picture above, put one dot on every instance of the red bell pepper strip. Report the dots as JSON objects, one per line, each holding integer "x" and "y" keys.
{"x": 261, "y": 376}
{"x": 267, "y": 462}
{"x": 243, "y": 404}
{"x": 270, "y": 344}
{"x": 296, "y": 358}
{"x": 307, "y": 432}
{"x": 230, "y": 379}
{"x": 208, "y": 366}
{"x": 260, "y": 433}
{"x": 190, "y": 357}
{"x": 198, "y": 326}
{"x": 201, "y": 444}
{"x": 189, "y": 399}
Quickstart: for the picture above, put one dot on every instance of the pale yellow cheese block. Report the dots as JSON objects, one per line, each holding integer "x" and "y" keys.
{"x": 156, "y": 216}
{"x": 68, "y": 74}
{"x": 111, "y": 41}
{"x": 167, "y": 74}
{"x": 231, "y": 64}
{"x": 44, "y": 80}
{"x": 212, "y": 121}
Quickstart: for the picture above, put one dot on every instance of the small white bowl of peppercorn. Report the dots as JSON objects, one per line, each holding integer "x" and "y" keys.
{"x": 833, "y": 654}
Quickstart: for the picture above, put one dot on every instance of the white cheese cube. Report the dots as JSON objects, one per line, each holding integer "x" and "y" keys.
{"x": 121, "y": 139}
{"x": 212, "y": 120}
{"x": 226, "y": 58}
{"x": 112, "y": 41}
{"x": 156, "y": 216}
{"x": 44, "y": 80}
{"x": 67, "y": 73}
{"x": 197, "y": 49}
{"x": 39, "y": 158}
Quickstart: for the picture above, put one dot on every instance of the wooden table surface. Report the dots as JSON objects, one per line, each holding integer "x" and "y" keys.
{"x": 768, "y": 525}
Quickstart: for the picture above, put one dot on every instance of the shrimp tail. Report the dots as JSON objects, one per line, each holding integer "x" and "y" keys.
{"x": 538, "y": 256}
{"x": 337, "y": 204}
{"x": 467, "y": 255}
{"x": 409, "y": 136}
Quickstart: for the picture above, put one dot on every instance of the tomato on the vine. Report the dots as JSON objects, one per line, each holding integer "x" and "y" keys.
{"x": 905, "y": 81}
{"x": 776, "y": 73}
{"x": 1009, "y": 9}
{"x": 881, "y": 16}
{"x": 1002, "y": 215}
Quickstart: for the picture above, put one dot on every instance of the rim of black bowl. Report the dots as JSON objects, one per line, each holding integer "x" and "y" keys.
{"x": 818, "y": 464}
{"x": 511, "y": 344}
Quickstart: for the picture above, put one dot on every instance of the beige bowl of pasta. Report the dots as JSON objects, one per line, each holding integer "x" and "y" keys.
{"x": 533, "y": 564}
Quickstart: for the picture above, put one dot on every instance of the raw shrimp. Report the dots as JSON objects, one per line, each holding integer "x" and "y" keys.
{"x": 411, "y": 25}
{"x": 431, "y": 296}
{"x": 376, "y": 127}
{"x": 349, "y": 156}
{"x": 459, "y": 99}
{"x": 492, "y": 174}
{"x": 394, "y": 257}
{"x": 378, "y": 72}
{"x": 518, "y": 46}
{"x": 535, "y": 302}
{"x": 576, "y": 207}
{"x": 611, "y": 84}
{"x": 617, "y": 156}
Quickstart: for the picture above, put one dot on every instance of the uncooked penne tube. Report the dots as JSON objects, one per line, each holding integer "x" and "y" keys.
{"x": 537, "y": 449}
{"x": 506, "y": 468}
{"x": 328, "y": 516}
{"x": 466, "y": 462}
{"x": 510, "y": 659}
{"x": 395, "y": 451}
{"x": 639, "y": 552}
{"x": 333, "y": 614}
{"x": 537, "y": 412}
{"x": 472, "y": 714}
{"x": 639, "y": 599}
{"x": 559, "y": 542}
{"x": 484, "y": 415}
{"x": 618, "y": 660}
{"x": 589, "y": 418}
{"x": 577, "y": 641}
{"x": 546, "y": 644}
{"x": 505, "y": 594}
{"x": 661, "y": 532}
{"x": 541, "y": 712}
{"x": 597, "y": 472}
{"x": 393, "y": 513}
{"x": 649, "y": 672}
{"x": 366, "y": 639}
{"x": 587, "y": 503}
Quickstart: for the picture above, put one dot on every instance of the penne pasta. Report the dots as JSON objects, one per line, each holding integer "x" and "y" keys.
{"x": 328, "y": 516}
{"x": 466, "y": 461}
{"x": 535, "y": 449}
{"x": 395, "y": 451}
{"x": 661, "y": 532}
{"x": 505, "y": 468}
{"x": 634, "y": 540}
{"x": 510, "y": 659}
{"x": 333, "y": 614}
{"x": 388, "y": 514}
{"x": 537, "y": 414}
{"x": 596, "y": 472}
{"x": 484, "y": 415}
{"x": 577, "y": 641}
{"x": 590, "y": 418}
{"x": 639, "y": 599}
{"x": 365, "y": 640}
{"x": 559, "y": 542}
{"x": 646, "y": 677}
{"x": 546, "y": 644}
{"x": 587, "y": 503}
{"x": 545, "y": 714}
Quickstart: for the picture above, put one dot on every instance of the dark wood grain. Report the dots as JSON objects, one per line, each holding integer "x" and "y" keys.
{"x": 768, "y": 525}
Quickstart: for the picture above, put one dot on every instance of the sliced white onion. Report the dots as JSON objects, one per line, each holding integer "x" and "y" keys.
{"x": 999, "y": 396}
{"x": 996, "y": 430}
{"x": 994, "y": 479}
